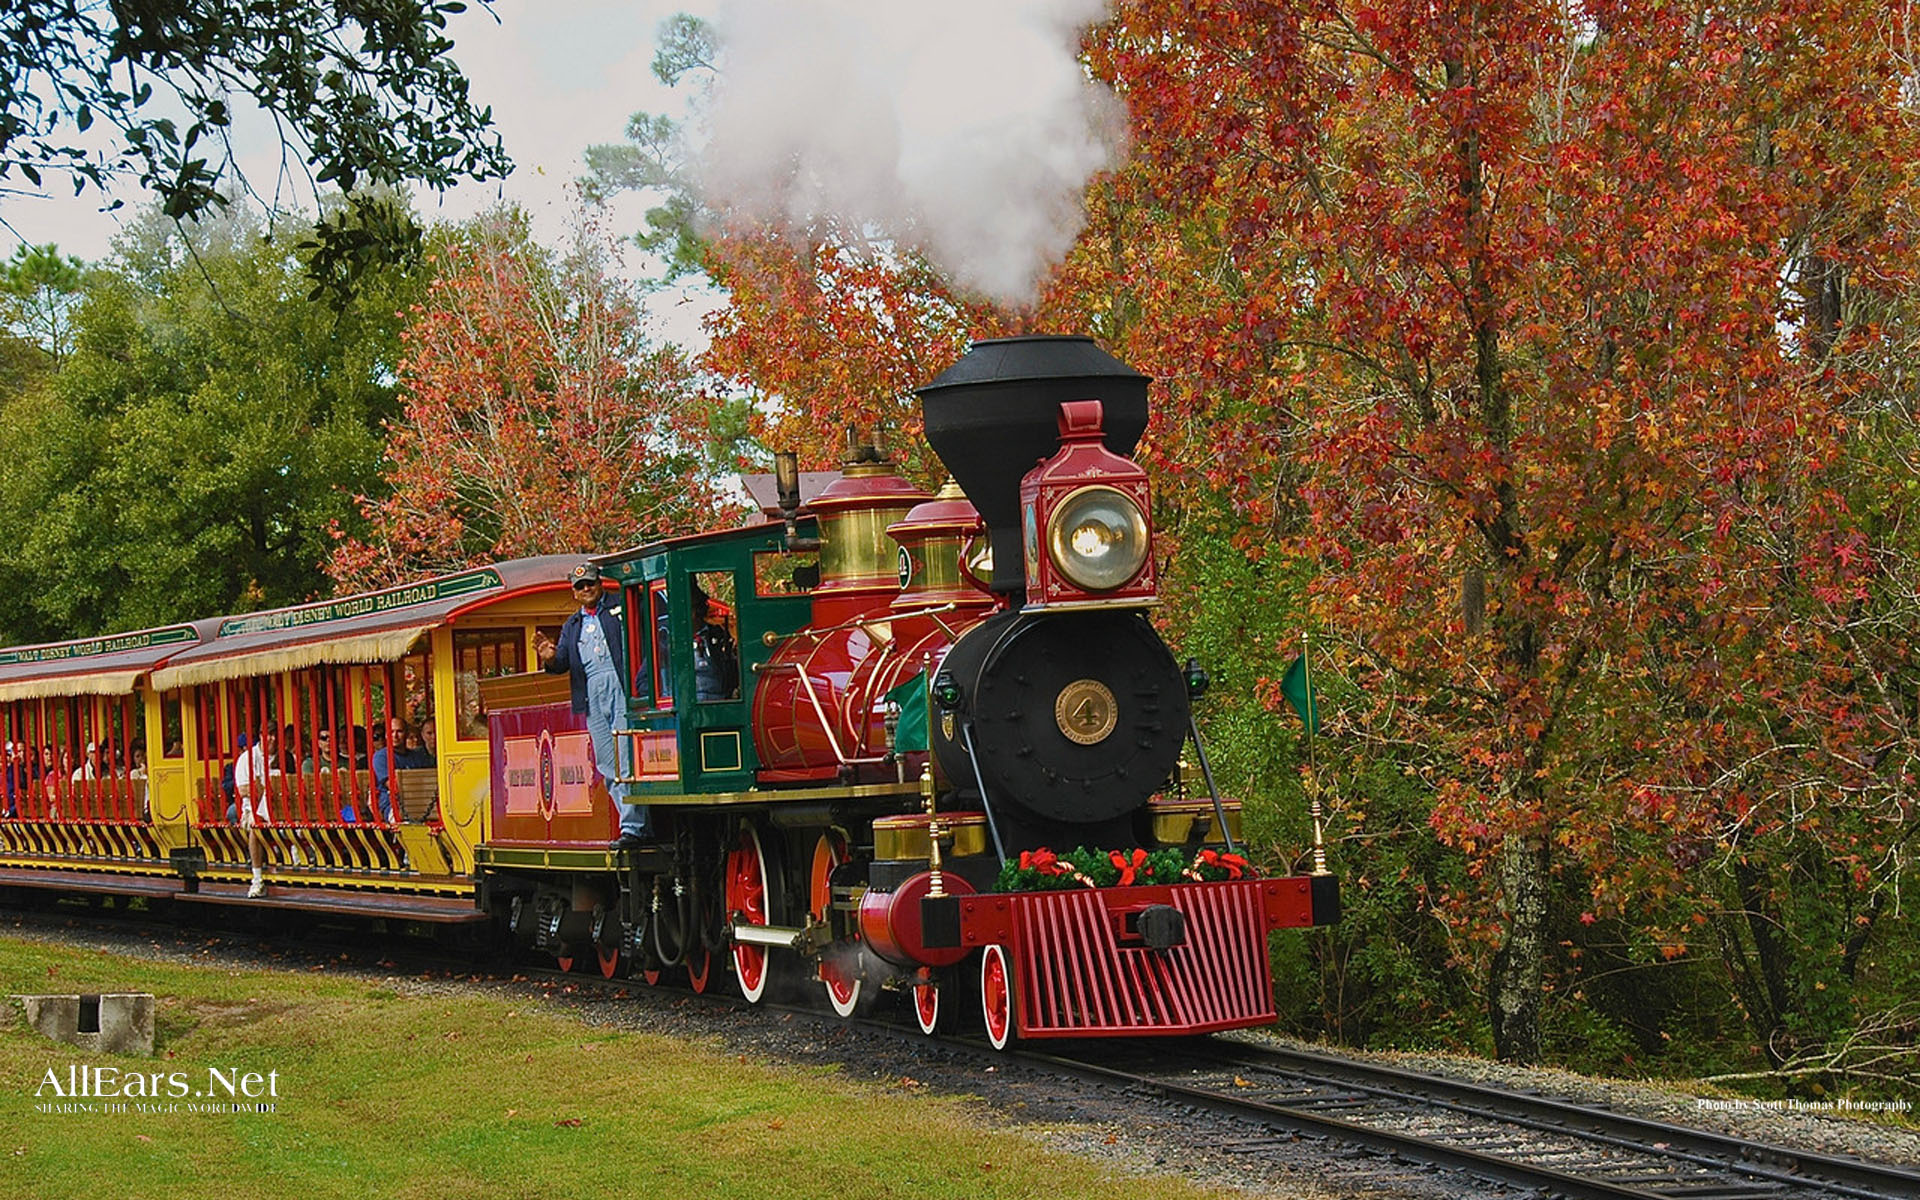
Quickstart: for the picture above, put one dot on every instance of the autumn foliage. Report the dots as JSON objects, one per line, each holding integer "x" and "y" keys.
{"x": 1561, "y": 313}
{"x": 536, "y": 419}
{"x": 829, "y": 333}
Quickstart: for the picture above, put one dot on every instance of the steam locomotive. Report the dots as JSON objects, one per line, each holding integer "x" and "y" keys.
{"x": 888, "y": 741}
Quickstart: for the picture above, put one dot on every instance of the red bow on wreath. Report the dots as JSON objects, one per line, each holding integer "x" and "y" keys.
{"x": 1232, "y": 864}
{"x": 1044, "y": 861}
{"x": 1128, "y": 867}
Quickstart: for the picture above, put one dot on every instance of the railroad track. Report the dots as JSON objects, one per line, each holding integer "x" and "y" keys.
{"x": 1551, "y": 1147}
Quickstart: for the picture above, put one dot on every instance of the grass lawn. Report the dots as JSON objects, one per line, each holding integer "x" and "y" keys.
{"x": 447, "y": 1096}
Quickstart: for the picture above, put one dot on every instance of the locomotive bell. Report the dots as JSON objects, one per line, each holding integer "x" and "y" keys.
{"x": 992, "y": 416}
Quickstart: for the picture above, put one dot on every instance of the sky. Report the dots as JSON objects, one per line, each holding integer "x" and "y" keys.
{"x": 967, "y": 132}
{"x": 560, "y": 75}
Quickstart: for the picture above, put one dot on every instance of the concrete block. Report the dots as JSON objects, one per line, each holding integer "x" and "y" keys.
{"x": 110, "y": 1023}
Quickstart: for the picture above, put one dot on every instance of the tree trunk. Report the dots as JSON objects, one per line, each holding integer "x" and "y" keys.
{"x": 1513, "y": 992}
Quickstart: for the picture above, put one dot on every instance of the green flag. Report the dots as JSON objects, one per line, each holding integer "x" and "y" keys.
{"x": 1295, "y": 688}
{"x": 911, "y": 733}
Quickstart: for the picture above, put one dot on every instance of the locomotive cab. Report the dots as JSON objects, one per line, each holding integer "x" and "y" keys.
{"x": 698, "y": 614}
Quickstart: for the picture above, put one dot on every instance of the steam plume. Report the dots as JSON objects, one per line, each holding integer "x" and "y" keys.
{"x": 966, "y": 129}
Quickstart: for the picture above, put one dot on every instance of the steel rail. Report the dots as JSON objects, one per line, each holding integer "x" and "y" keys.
{"x": 1804, "y": 1168}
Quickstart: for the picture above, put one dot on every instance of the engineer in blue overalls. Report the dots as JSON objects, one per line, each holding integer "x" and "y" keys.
{"x": 593, "y": 652}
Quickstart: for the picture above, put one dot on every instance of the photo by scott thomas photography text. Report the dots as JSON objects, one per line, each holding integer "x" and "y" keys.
{"x": 84, "y": 1082}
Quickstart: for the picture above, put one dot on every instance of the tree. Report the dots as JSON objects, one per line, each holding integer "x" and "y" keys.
{"x": 1509, "y": 283}
{"x": 207, "y": 428}
{"x": 827, "y": 335}
{"x": 40, "y": 289}
{"x": 535, "y": 418}
{"x": 652, "y": 159}
{"x": 361, "y": 92}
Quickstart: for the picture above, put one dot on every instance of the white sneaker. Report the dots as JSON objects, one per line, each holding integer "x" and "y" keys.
{"x": 257, "y": 889}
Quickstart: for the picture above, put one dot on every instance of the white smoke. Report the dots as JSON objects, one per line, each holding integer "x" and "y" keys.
{"x": 968, "y": 129}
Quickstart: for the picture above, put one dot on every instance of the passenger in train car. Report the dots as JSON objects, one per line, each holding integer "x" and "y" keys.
{"x": 385, "y": 759}
{"x": 251, "y": 771}
{"x": 424, "y": 755}
{"x": 353, "y": 747}
{"x": 592, "y": 653}
{"x": 89, "y": 767}
{"x": 50, "y": 780}
{"x": 13, "y": 779}
{"x": 320, "y": 756}
{"x": 412, "y": 754}
{"x": 137, "y": 774}
{"x": 226, "y": 779}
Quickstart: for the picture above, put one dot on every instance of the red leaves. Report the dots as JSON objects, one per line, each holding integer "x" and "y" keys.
{"x": 832, "y": 334}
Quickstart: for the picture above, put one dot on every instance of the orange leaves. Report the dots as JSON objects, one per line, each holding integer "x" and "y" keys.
{"x": 536, "y": 419}
{"x": 832, "y": 334}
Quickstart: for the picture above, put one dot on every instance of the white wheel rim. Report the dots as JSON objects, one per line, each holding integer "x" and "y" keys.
{"x": 843, "y": 1006}
{"x": 842, "y": 985}
{"x": 750, "y": 963}
{"x": 926, "y": 1007}
{"x": 996, "y": 996}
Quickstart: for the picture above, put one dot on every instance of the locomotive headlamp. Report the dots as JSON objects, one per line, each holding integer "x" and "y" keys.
{"x": 1097, "y": 538}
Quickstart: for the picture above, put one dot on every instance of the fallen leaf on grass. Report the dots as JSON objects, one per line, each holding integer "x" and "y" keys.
{"x": 142, "y": 1137}
{"x": 776, "y": 1123}
{"x": 570, "y": 1122}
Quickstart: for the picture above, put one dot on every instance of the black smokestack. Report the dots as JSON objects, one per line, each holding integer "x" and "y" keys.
{"x": 995, "y": 414}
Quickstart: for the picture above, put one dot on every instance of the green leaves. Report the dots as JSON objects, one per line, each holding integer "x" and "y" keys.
{"x": 205, "y": 429}
{"x": 362, "y": 91}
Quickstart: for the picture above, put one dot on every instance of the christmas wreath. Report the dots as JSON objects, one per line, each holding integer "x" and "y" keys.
{"x": 1043, "y": 870}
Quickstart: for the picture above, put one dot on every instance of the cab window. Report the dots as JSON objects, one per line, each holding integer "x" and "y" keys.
{"x": 662, "y": 657}
{"x": 715, "y": 649}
